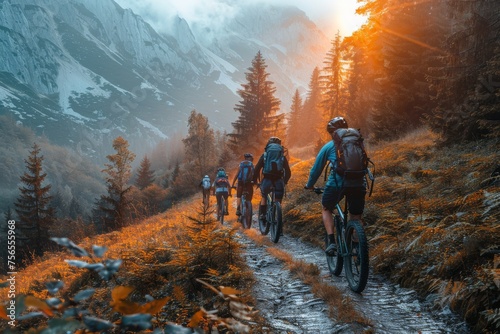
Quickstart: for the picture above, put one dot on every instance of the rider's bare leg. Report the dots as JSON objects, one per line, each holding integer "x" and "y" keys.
{"x": 327, "y": 221}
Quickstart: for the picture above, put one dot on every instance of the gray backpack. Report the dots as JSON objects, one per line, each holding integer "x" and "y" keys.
{"x": 273, "y": 159}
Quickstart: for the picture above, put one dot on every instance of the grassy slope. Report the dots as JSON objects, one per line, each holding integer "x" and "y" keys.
{"x": 162, "y": 257}
{"x": 432, "y": 221}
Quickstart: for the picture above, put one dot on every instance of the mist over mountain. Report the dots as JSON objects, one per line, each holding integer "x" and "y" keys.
{"x": 83, "y": 72}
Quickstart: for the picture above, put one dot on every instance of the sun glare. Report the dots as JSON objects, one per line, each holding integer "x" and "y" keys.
{"x": 345, "y": 19}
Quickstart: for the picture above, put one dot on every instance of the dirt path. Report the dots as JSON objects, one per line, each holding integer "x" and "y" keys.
{"x": 290, "y": 307}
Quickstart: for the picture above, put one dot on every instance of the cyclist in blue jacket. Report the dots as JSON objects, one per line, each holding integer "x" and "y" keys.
{"x": 336, "y": 186}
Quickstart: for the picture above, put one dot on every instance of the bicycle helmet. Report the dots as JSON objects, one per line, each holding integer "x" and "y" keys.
{"x": 221, "y": 169}
{"x": 336, "y": 123}
{"x": 248, "y": 156}
{"x": 274, "y": 140}
{"x": 206, "y": 177}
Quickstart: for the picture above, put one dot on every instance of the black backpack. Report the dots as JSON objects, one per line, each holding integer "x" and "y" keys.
{"x": 352, "y": 160}
{"x": 246, "y": 172}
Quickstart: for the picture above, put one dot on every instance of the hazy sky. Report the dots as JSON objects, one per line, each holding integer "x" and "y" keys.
{"x": 329, "y": 15}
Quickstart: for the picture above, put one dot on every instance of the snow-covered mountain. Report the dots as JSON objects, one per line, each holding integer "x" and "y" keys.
{"x": 82, "y": 72}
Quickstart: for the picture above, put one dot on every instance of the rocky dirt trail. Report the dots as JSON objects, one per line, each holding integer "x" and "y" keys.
{"x": 290, "y": 307}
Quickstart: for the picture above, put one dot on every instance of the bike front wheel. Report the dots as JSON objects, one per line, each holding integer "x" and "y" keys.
{"x": 357, "y": 261}
{"x": 276, "y": 222}
{"x": 246, "y": 215}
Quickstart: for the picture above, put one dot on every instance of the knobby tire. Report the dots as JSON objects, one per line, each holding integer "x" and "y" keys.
{"x": 246, "y": 215}
{"x": 277, "y": 222}
{"x": 356, "y": 259}
{"x": 264, "y": 224}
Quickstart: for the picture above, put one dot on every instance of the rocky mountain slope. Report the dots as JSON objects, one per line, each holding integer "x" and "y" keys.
{"x": 83, "y": 72}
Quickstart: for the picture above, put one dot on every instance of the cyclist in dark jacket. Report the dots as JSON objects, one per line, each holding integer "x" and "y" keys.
{"x": 242, "y": 185}
{"x": 279, "y": 179}
{"x": 336, "y": 186}
{"x": 221, "y": 187}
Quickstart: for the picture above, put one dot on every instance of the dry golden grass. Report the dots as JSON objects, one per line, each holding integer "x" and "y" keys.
{"x": 432, "y": 220}
{"x": 162, "y": 257}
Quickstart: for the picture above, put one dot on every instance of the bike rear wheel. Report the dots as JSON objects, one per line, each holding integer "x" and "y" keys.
{"x": 276, "y": 222}
{"x": 246, "y": 214}
{"x": 222, "y": 210}
{"x": 264, "y": 224}
{"x": 336, "y": 262}
{"x": 357, "y": 261}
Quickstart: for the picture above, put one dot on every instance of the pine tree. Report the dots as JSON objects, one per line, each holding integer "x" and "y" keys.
{"x": 223, "y": 151}
{"x": 33, "y": 205}
{"x": 358, "y": 97}
{"x": 199, "y": 145}
{"x": 405, "y": 94}
{"x": 145, "y": 176}
{"x": 312, "y": 123}
{"x": 333, "y": 81}
{"x": 113, "y": 206}
{"x": 75, "y": 210}
{"x": 258, "y": 119}
{"x": 466, "y": 83}
{"x": 294, "y": 133}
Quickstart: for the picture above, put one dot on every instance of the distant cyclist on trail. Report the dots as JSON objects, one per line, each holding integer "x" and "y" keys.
{"x": 205, "y": 185}
{"x": 246, "y": 171}
{"x": 275, "y": 170}
{"x": 221, "y": 187}
{"x": 341, "y": 181}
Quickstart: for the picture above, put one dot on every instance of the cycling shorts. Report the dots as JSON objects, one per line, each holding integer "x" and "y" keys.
{"x": 279, "y": 187}
{"x": 248, "y": 187}
{"x": 355, "y": 197}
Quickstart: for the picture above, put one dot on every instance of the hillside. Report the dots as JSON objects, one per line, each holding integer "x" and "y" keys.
{"x": 432, "y": 221}
{"x": 432, "y": 224}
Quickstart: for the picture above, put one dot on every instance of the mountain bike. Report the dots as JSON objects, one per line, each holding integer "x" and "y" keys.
{"x": 352, "y": 249}
{"x": 246, "y": 210}
{"x": 274, "y": 218}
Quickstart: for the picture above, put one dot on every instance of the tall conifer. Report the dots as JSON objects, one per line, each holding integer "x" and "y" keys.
{"x": 313, "y": 118}
{"x": 295, "y": 118}
{"x": 333, "y": 81}
{"x": 145, "y": 176}
{"x": 258, "y": 119}
{"x": 114, "y": 205}
{"x": 33, "y": 205}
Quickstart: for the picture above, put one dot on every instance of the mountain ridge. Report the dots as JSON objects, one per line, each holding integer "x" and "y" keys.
{"x": 91, "y": 70}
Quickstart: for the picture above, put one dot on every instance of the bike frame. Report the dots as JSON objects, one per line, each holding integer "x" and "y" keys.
{"x": 343, "y": 224}
{"x": 271, "y": 197}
